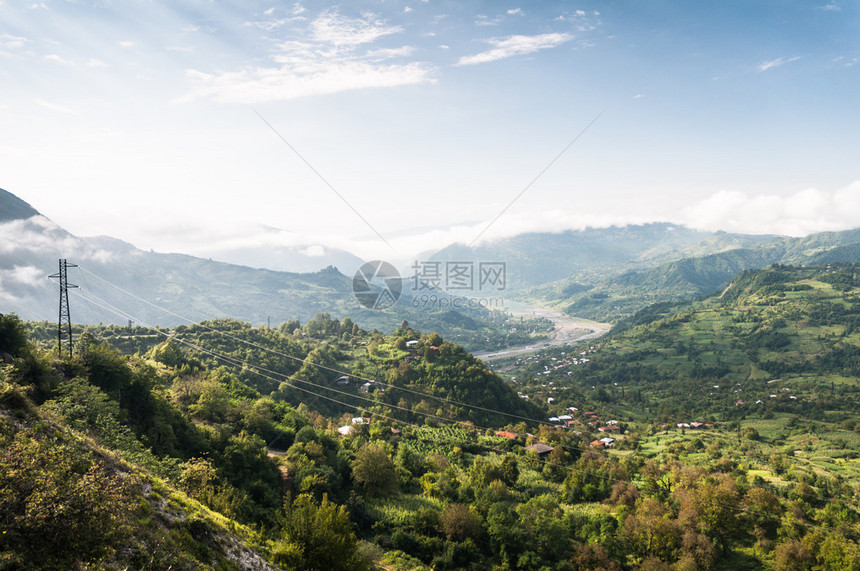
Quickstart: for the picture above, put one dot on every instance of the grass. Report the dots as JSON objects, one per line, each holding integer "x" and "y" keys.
{"x": 400, "y": 511}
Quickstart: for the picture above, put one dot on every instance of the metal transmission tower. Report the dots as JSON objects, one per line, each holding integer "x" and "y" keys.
{"x": 64, "y": 323}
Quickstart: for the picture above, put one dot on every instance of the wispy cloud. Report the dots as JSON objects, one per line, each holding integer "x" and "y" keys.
{"x": 484, "y": 20}
{"x": 56, "y": 59}
{"x": 54, "y": 106}
{"x": 332, "y": 28}
{"x": 515, "y": 45}
{"x": 515, "y": 12}
{"x": 329, "y": 59}
{"x": 386, "y": 53}
{"x": 12, "y": 42}
{"x": 764, "y": 66}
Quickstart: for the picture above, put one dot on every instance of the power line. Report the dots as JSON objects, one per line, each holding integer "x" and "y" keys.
{"x": 319, "y": 365}
{"x": 237, "y": 362}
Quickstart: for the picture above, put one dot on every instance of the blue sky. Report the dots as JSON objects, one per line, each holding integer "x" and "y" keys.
{"x": 142, "y": 120}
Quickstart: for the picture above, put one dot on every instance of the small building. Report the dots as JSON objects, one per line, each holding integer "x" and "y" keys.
{"x": 411, "y": 344}
{"x": 539, "y": 448}
{"x": 609, "y": 429}
{"x": 506, "y": 434}
{"x": 369, "y": 387}
{"x": 344, "y": 380}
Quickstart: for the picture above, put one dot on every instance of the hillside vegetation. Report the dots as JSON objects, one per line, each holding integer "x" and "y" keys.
{"x": 618, "y": 292}
{"x": 325, "y": 446}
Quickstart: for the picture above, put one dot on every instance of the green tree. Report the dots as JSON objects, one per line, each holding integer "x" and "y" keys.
{"x": 317, "y": 537}
{"x": 60, "y": 508}
{"x": 13, "y": 336}
{"x": 374, "y": 471}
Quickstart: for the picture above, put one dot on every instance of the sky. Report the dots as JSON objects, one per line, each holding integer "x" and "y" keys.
{"x": 394, "y": 127}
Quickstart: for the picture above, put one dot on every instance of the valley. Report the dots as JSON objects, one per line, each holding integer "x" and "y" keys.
{"x": 567, "y": 330}
{"x": 707, "y": 420}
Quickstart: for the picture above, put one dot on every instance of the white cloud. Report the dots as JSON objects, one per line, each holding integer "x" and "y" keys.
{"x": 387, "y": 53}
{"x": 53, "y": 106}
{"x": 314, "y": 251}
{"x": 40, "y": 235}
{"x": 317, "y": 78}
{"x": 27, "y": 275}
{"x": 515, "y": 45}
{"x": 56, "y": 59}
{"x": 484, "y": 20}
{"x": 764, "y": 66}
{"x": 270, "y": 25}
{"x": 798, "y": 214}
{"x": 12, "y": 42}
{"x": 126, "y": 44}
{"x": 515, "y": 12}
{"x": 332, "y": 28}
{"x": 327, "y": 61}
{"x": 95, "y": 62}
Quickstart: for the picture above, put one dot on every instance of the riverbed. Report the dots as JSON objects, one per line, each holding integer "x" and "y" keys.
{"x": 567, "y": 330}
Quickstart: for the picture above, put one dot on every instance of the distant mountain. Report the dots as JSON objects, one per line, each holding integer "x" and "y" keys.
{"x": 270, "y": 249}
{"x": 119, "y": 282}
{"x": 187, "y": 286}
{"x": 620, "y": 292}
{"x": 539, "y": 258}
{"x": 13, "y": 208}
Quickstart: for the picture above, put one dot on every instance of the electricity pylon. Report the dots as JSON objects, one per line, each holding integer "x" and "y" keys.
{"x": 64, "y": 322}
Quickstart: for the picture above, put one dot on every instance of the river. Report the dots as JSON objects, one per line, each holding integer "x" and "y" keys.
{"x": 567, "y": 330}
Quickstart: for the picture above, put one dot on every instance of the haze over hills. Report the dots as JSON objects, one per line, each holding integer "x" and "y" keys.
{"x": 538, "y": 258}
{"x": 598, "y": 273}
{"x": 188, "y": 286}
{"x": 620, "y": 292}
{"x": 275, "y": 249}
{"x": 119, "y": 282}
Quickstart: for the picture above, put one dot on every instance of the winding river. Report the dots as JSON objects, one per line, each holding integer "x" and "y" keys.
{"x": 567, "y": 330}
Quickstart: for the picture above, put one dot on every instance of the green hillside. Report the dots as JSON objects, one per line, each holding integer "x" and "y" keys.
{"x": 234, "y": 446}
{"x": 784, "y": 327}
{"x": 619, "y": 292}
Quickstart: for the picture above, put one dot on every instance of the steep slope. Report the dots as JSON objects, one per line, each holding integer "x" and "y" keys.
{"x": 119, "y": 282}
{"x": 13, "y": 208}
{"x": 70, "y": 503}
{"x": 617, "y": 294}
{"x": 797, "y": 327}
{"x": 537, "y": 258}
